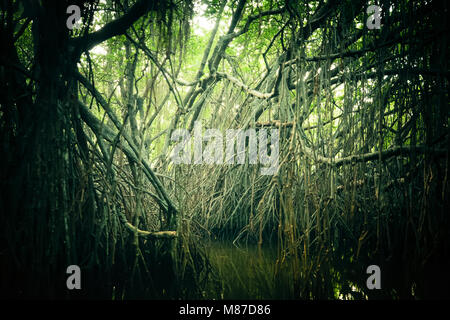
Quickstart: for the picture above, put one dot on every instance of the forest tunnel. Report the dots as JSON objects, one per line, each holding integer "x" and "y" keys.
{"x": 352, "y": 104}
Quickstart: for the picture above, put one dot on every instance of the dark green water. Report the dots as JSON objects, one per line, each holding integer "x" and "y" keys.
{"x": 250, "y": 272}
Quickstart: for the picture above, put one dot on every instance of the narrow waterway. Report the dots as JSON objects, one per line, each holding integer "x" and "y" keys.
{"x": 250, "y": 272}
{"x": 253, "y": 272}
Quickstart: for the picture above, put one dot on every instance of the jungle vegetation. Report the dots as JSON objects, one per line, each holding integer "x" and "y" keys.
{"x": 86, "y": 177}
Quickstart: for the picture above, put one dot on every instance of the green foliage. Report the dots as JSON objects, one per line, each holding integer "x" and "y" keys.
{"x": 363, "y": 120}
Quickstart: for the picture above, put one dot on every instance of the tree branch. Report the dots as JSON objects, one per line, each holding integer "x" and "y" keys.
{"x": 133, "y": 152}
{"x": 115, "y": 27}
{"x": 385, "y": 154}
{"x": 154, "y": 235}
{"x": 258, "y": 94}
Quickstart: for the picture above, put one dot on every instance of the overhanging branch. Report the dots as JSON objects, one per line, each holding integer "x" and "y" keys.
{"x": 115, "y": 27}
{"x": 255, "y": 93}
{"x": 385, "y": 154}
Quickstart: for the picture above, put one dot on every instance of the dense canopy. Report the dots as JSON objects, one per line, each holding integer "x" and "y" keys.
{"x": 350, "y": 101}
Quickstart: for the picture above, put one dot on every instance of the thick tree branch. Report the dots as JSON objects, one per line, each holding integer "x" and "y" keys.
{"x": 154, "y": 235}
{"x": 385, "y": 154}
{"x": 115, "y": 27}
{"x": 92, "y": 120}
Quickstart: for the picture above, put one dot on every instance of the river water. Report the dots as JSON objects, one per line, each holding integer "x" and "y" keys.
{"x": 250, "y": 272}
